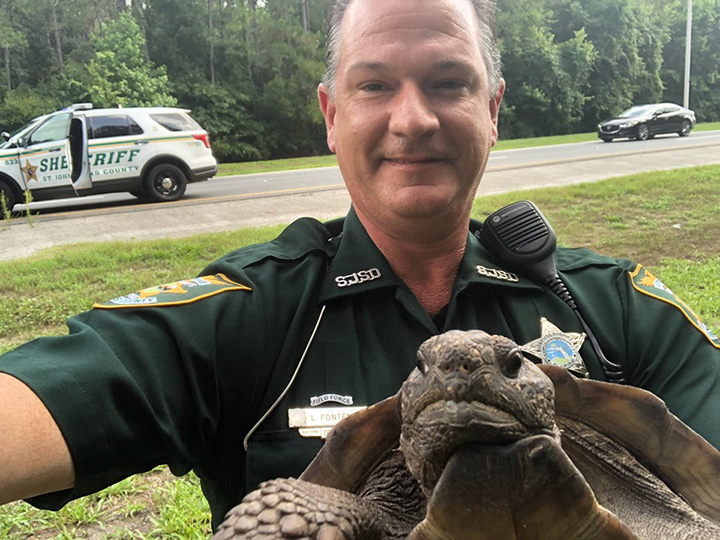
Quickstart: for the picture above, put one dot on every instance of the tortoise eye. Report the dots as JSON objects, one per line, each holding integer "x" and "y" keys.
{"x": 511, "y": 363}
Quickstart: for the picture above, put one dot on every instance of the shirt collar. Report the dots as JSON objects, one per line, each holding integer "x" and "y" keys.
{"x": 479, "y": 266}
{"x": 358, "y": 265}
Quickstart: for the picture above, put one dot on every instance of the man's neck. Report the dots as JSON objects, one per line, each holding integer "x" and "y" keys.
{"x": 427, "y": 263}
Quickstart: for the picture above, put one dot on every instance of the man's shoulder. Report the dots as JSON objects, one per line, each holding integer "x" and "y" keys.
{"x": 578, "y": 258}
{"x": 302, "y": 238}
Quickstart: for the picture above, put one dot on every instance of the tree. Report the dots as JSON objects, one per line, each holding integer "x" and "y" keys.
{"x": 289, "y": 66}
{"x": 56, "y": 34}
{"x": 546, "y": 78}
{"x": 704, "y": 75}
{"x": 119, "y": 74}
{"x": 9, "y": 39}
{"x": 628, "y": 37}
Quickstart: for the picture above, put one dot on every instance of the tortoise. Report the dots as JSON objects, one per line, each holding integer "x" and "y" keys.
{"x": 471, "y": 448}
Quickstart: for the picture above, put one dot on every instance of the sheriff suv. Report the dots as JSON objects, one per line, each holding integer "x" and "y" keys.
{"x": 151, "y": 152}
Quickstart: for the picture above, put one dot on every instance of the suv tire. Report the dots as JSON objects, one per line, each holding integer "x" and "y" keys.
{"x": 10, "y": 199}
{"x": 642, "y": 133}
{"x": 165, "y": 182}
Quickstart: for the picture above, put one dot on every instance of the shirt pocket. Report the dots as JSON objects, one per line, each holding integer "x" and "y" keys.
{"x": 278, "y": 454}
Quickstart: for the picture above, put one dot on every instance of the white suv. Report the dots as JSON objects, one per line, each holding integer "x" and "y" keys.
{"x": 150, "y": 152}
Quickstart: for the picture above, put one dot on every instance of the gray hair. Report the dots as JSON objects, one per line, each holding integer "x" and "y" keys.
{"x": 484, "y": 12}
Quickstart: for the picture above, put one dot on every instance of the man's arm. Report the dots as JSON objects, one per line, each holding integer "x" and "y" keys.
{"x": 34, "y": 458}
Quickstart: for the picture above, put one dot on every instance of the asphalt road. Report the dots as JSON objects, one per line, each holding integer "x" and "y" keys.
{"x": 227, "y": 203}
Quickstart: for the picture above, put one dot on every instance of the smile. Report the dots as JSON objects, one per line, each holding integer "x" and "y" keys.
{"x": 415, "y": 161}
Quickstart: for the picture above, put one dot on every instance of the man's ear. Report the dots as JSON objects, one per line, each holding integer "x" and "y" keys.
{"x": 327, "y": 106}
{"x": 495, "y": 109}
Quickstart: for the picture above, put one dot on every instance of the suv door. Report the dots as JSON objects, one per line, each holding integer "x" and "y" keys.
{"x": 43, "y": 154}
{"x": 117, "y": 147}
{"x": 78, "y": 157}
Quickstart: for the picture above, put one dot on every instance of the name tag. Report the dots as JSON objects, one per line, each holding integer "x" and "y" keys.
{"x": 318, "y": 422}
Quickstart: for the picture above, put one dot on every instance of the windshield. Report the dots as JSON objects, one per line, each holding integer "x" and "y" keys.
{"x": 14, "y": 135}
{"x": 638, "y": 110}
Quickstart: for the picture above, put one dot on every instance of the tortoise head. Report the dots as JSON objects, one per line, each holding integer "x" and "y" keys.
{"x": 470, "y": 387}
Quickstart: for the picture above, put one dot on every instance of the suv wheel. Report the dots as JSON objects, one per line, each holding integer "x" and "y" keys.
{"x": 685, "y": 128}
{"x": 9, "y": 197}
{"x": 643, "y": 132}
{"x": 166, "y": 182}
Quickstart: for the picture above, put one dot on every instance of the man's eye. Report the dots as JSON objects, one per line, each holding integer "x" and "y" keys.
{"x": 373, "y": 87}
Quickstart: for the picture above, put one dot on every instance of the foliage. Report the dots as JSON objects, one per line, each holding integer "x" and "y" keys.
{"x": 629, "y": 39}
{"x": 119, "y": 73}
{"x": 704, "y": 62}
{"x": 545, "y": 78}
{"x": 22, "y": 105}
{"x": 249, "y": 69}
{"x": 287, "y": 69}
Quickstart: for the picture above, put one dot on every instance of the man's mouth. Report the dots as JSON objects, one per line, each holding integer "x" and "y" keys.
{"x": 415, "y": 160}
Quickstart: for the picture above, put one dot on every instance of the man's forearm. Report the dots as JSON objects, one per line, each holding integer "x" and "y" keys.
{"x": 34, "y": 458}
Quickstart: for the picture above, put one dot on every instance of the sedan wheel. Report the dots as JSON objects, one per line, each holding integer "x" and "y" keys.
{"x": 685, "y": 129}
{"x": 642, "y": 133}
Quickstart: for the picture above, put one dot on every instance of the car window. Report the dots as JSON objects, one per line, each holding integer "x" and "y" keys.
{"x": 117, "y": 125}
{"x": 56, "y": 128}
{"x": 176, "y": 121}
{"x": 10, "y": 143}
{"x": 635, "y": 111}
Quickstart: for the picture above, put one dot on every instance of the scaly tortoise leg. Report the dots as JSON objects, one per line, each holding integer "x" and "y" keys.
{"x": 294, "y": 509}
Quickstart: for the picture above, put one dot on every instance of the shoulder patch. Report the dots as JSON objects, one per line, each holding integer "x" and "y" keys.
{"x": 174, "y": 294}
{"x": 646, "y": 283}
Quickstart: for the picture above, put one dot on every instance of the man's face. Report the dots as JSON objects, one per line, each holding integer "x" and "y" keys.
{"x": 412, "y": 121}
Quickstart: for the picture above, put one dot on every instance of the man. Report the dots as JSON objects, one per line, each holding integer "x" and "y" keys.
{"x": 238, "y": 373}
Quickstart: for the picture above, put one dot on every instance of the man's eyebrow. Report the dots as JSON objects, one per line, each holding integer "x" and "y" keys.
{"x": 369, "y": 66}
{"x": 447, "y": 65}
{"x": 440, "y": 65}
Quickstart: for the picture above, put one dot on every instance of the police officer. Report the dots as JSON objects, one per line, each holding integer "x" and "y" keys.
{"x": 238, "y": 373}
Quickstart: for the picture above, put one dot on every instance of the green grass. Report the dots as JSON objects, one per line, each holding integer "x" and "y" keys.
{"x": 668, "y": 220}
{"x": 227, "y": 169}
{"x": 150, "y": 506}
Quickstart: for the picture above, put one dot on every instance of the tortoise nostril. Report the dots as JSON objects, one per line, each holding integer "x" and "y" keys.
{"x": 512, "y": 362}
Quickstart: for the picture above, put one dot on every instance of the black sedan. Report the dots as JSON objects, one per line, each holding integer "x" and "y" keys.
{"x": 643, "y": 122}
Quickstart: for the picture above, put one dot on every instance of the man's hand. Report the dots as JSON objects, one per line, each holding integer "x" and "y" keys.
{"x": 34, "y": 458}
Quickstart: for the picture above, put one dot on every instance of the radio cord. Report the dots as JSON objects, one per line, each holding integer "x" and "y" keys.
{"x": 612, "y": 370}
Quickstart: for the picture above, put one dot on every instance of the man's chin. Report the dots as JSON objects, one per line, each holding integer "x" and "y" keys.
{"x": 424, "y": 202}
{"x": 430, "y": 215}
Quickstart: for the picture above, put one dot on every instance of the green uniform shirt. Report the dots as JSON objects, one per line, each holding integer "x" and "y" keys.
{"x": 180, "y": 374}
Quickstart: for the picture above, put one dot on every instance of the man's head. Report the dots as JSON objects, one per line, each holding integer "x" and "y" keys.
{"x": 484, "y": 12}
{"x": 413, "y": 112}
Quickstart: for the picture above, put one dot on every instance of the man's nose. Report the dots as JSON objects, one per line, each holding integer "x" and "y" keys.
{"x": 412, "y": 115}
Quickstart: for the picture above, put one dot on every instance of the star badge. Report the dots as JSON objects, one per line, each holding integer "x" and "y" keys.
{"x": 30, "y": 171}
{"x": 557, "y": 348}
